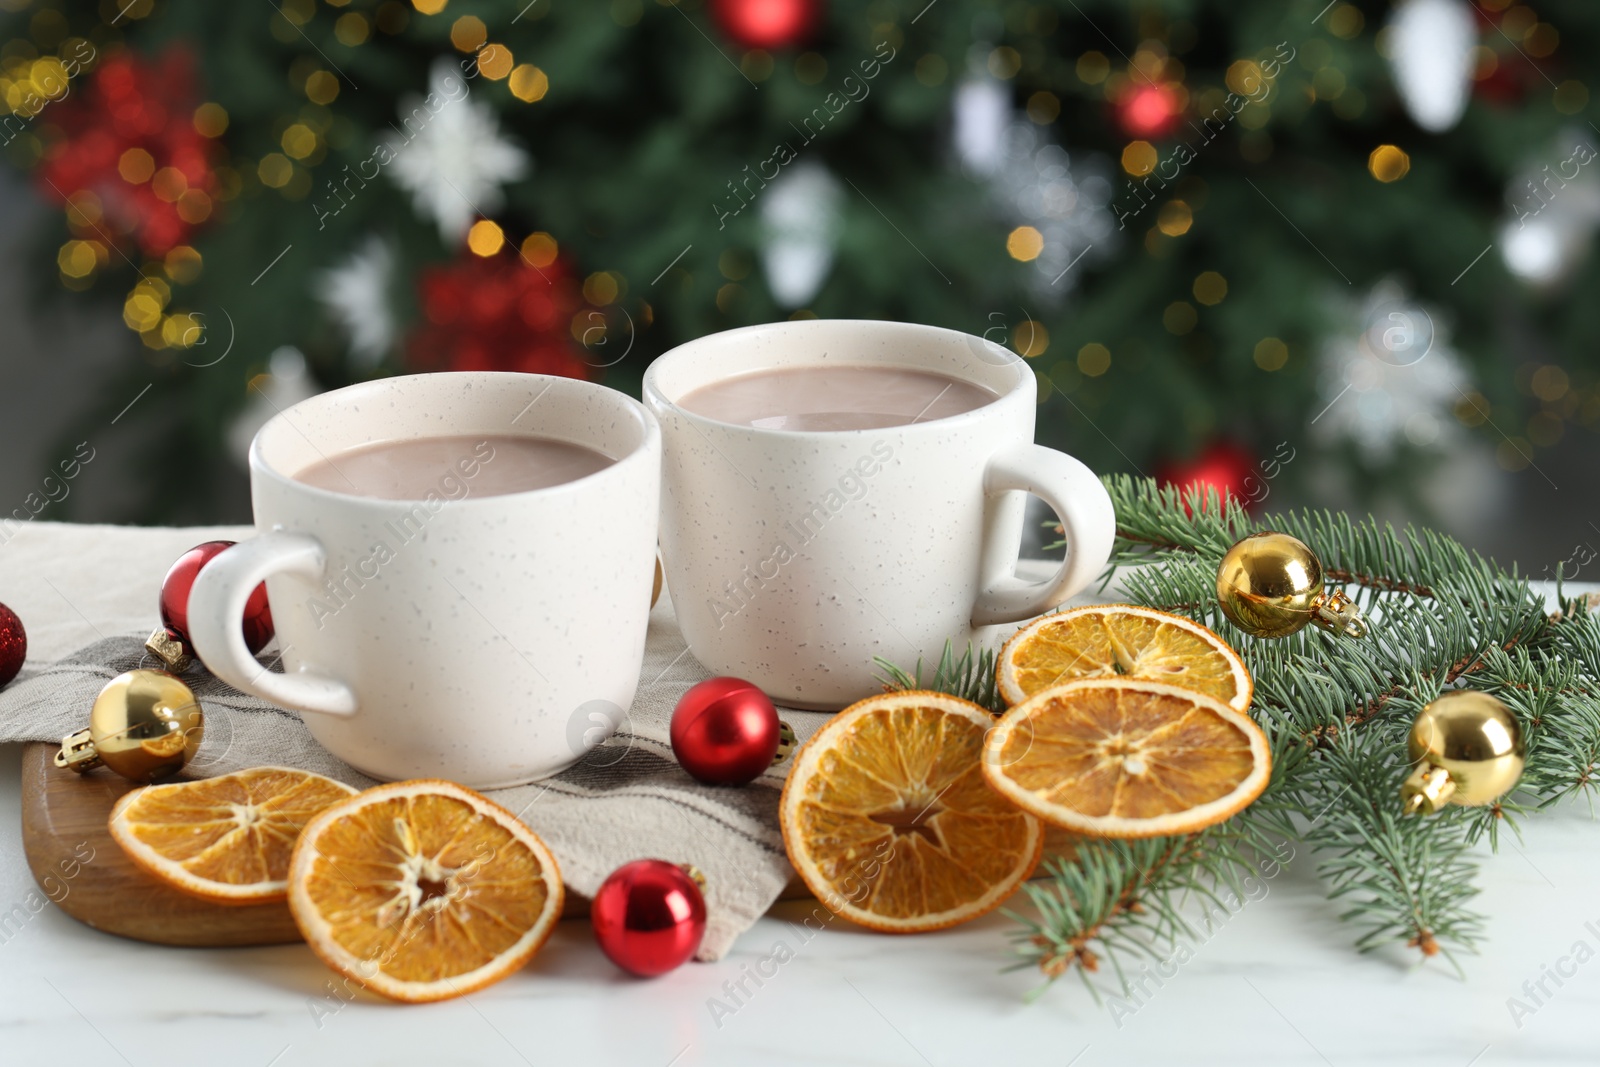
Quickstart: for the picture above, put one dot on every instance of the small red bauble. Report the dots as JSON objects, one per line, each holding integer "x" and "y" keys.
{"x": 175, "y": 598}
{"x": 1226, "y": 466}
{"x": 1149, "y": 111}
{"x": 649, "y": 917}
{"x": 13, "y": 644}
{"x": 725, "y": 731}
{"x": 768, "y": 24}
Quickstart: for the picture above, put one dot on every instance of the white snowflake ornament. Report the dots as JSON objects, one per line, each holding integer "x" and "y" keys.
{"x": 450, "y": 155}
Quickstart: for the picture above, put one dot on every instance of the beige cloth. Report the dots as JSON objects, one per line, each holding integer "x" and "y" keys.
{"x": 87, "y": 596}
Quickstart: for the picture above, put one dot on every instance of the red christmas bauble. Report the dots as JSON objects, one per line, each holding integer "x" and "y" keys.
{"x": 175, "y": 598}
{"x": 1223, "y": 465}
{"x": 1149, "y": 111}
{"x": 13, "y": 644}
{"x": 769, "y": 24}
{"x": 649, "y": 917}
{"x": 725, "y": 731}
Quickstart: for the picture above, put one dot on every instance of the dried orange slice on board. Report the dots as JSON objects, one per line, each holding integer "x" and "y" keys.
{"x": 1125, "y": 758}
{"x": 1121, "y": 641}
{"x": 887, "y": 818}
{"x": 423, "y": 890}
{"x": 228, "y": 838}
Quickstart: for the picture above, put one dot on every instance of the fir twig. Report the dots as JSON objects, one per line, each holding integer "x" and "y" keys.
{"x": 1338, "y": 712}
{"x": 970, "y": 677}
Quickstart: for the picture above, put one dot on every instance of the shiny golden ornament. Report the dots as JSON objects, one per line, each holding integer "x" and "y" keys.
{"x": 1468, "y": 750}
{"x": 1270, "y": 585}
{"x": 144, "y": 725}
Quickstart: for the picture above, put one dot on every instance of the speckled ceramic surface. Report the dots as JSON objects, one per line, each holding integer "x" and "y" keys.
{"x": 478, "y": 639}
{"x": 796, "y": 558}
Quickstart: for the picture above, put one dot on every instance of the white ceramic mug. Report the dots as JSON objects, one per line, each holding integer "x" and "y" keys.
{"x": 461, "y": 636}
{"x": 796, "y": 558}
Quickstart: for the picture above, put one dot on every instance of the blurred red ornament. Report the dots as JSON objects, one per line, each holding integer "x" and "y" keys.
{"x": 499, "y": 312}
{"x": 769, "y": 24}
{"x": 129, "y": 160}
{"x": 1223, "y": 465}
{"x": 1149, "y": 111}
{"x": 725, "y": 731}
{"x": 649, "y": 917}
{"x": 13, "y": 644}
{"x": 175, "y": 598}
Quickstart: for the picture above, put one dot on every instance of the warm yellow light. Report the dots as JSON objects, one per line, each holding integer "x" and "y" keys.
{"x": 1388, "y": 163}
{"x": 1024, "y": 243}
{"x": 1094, "y": 359}
{"x": 136, "y": 166}
{"x": 1210, "y": 288}
{"x": 485, "y": 238}
{"x": 1174, "y": 218}
{"x": 1271, "y": 354}
{"x": 1030, "y": 338}
{"x": 169, "y": 183}
{"x": 298, "y": 141}
{"x": 77, "y": 259}
{"x": 468, "y": 33}
{"x": 194, "y": 206}
{"x": 275, "y": 170}
{"x": 1092, "y": 68}
{"x": 352, "y": 28}
{"x": 1139, "y": 158}
{"x": 182, "y": 264}
{"x": 600, "y": 288}
{"x": 322, "y": 87}
{"x": 210, "y": 120}
{"x": 540, "y": 249}
{"x": 495, "y": 61}
{"x": 528, "y": 83}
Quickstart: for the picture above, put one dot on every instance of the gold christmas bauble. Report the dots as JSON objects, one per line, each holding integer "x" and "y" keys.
{"x": 144, "y": 725}
{"x": 1468, "y": 750}
{"x": 1271, "y": 585}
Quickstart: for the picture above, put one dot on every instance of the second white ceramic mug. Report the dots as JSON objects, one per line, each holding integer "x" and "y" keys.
{"x": 489, "y": 640}
{"x": 794, "y": 559}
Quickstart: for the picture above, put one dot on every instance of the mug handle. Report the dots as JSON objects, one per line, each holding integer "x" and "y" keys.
{"x": 216, "y": 604}
{"x": 1088, "y": 523}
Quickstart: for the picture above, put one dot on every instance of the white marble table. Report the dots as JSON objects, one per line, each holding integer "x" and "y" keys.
{"x": 1277, "y": 982}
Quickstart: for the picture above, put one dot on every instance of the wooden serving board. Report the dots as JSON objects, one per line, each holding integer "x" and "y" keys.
{"x": 64, "y": 817}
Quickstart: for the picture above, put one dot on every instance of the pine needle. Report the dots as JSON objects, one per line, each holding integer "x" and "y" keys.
{"x": 1337, "y": 712}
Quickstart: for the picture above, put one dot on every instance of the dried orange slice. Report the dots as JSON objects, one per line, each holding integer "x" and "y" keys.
{"x": 1121, "y": 641}
{"x": 1118, "y": 757}
{"x": 888, "y": 820}
{"x": 423, "y": 890}
{"x": 227, "y": 838}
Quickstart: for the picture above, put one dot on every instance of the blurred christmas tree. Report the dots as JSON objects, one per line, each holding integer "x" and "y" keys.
{"x": 1221, "y": 232}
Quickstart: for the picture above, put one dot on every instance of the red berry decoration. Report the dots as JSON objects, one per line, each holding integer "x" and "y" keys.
{"x": 175, "y": 598}
{"x": 769, "y": 24}
{"x": 13, "y": 644}
{"x": 726, "y": 732}
{"x": 649, "y": 916}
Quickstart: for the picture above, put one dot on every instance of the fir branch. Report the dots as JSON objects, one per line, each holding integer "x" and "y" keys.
{"x": 970, "y": 677}
{"x": 1338, "y": 713}
{"x": 1408, "y": 878}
